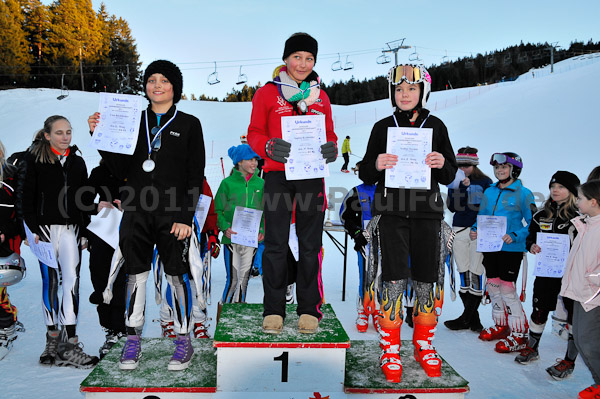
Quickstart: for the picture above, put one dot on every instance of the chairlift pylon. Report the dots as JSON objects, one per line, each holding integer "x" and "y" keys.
{"x": 213, "y": 78}
{"x": 348, "y": 65}
{"x": 64, "y": 90}
{"x": 383, "y": 59}
{"x": 242, "y": 78}
{"x": 337, "y": 65}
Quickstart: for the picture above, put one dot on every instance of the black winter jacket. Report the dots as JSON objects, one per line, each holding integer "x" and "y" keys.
{"x": 173, "y": 187}
{"x": 52, "y": 193}
{"x": 414, "y": 203}
{"x": 540, "y": 222}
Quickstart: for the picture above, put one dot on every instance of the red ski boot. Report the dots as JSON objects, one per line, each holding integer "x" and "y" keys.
{"x": 513, "y": 343}
{"x": 362, "y": 321}
{"x": 425, "y": 353}
{"x": 391, "y": 365}
{"x": 493, "y": 333}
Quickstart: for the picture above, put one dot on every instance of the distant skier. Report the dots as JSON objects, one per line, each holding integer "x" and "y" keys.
{"x": 346, "y": 151}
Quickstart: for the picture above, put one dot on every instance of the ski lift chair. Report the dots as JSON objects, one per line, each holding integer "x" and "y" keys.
{"x": 337, "y": 65}
{"x": 522, "y": 58}
{"x": 64, "y": 90}
{"x": 469, "y": 63}
{"x": 213, "y": 78}
{"x": 490, "y": 61}
{"x": 348, "y": 65}
{"x": 242, "y": 78}
{"x": 507, "y": 59}
{"x": 383, "y": 59}
{"x": 414, "y": 57}
{"x": 537, "y": 55}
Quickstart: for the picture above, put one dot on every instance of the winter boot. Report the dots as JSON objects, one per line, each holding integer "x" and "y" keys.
{"x": 112, "y": 337}
{"x": 183, "y": 353}
{"x": 475, "y": 323}
{"x": 493, "y": 333}
{"x": 425, "y": 353}
{"x": 272, "y": 324}
{"x": 592, "y": 392}
{"x": 132, "y": 353}
{"x": 512, "y": 343}
{"x": 463, "y": 322}
{"x": 7, "y": 336}
{"x": 308, "y": 324}
{"x": 362, "y": 321}
{"x": 70, "y": 353}
{"x": 527, "y": 355}
{"x": 167, "y": 328}
{"x": 391, "y": 365}
{"x": 201, "y": 330}
{"x": 561, "y": 370}
{"x": 49, "y": 354}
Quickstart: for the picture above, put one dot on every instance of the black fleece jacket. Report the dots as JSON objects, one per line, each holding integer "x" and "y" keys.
{"x": 414, "y": 203}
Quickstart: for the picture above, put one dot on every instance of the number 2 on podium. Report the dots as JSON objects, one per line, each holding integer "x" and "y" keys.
{"x": 284, "y": 365}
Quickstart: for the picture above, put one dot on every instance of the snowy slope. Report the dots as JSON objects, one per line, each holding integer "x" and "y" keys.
{"x": 548, "y": 120}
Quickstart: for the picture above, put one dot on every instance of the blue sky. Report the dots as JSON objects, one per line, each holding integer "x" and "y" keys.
{"x": 194, "y": 33}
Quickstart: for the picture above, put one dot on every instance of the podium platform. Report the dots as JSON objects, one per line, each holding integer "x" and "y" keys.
{"x": 244, "y": 362}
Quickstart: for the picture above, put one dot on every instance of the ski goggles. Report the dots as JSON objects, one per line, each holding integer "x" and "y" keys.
{"x": 407, "y": 73}
{"x": 501, "y": 159}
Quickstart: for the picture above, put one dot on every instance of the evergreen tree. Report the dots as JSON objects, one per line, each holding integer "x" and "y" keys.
{"x": 14, "y": 49}
{"x": 36, "y": 24}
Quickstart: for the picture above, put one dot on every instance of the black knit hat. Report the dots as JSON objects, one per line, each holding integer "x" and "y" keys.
{"x": 169, "y": 71}
{"x": 300, "y": 42}
{"x": 567, "y": 179}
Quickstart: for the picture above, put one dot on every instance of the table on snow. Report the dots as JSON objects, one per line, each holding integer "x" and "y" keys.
{"x": 336, "y": 225}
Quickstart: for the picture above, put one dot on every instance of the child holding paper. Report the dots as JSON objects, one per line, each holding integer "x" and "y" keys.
{"x": 243, "y": 188}
{"x": 507, "y": 198}
{"x": 164, "y": 180}
{"x": 464, "y": 201}
{"x": 54, "y": 173}
{"x": 555, "y": 218}
{"x": 409, "y": 221}
{"x": 581, "y": 282}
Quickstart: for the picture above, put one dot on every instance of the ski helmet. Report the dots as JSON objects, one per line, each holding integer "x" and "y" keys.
{"x": 511, "y": 158}
{"x": 12, "y": 270}
{"x": 411, "y": 74}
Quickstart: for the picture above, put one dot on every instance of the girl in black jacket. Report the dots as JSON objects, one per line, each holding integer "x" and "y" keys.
{"x": 52, "y": 210}
{"x": 410, "y": 220}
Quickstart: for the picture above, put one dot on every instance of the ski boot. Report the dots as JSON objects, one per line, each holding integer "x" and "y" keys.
{"x": 425, "y": 353}
{"x": 112, "y": 337}
{"x": 7, "y": 336}
{"x": 362, "y": 321}
{"x": 512, "y": 343}
{"x": 493, "y": 333}
{"x": 167, "y": 328}
{"x": 591, "y": 392}
{"x": 201, "y": 330}
{"x": 391, "y": 365}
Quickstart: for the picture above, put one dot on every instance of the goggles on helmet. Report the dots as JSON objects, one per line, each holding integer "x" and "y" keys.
{"x": 500, "y": 159}
{"x": 408, "y": 73}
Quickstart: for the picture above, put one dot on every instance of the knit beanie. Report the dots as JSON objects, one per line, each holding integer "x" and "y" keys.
{"x": 467, "y": 156}
{"x": 567, "y": 179}
{"x": 240, "y": 153}
{"x": 300, "y": 42}
{"x": 169, "y": 71}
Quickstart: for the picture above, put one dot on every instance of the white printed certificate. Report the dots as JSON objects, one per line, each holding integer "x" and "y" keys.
{"x": 202, "y": 210}
{"x": 44, "y": 251}
{"x": 490, "y": 230}
{"x": 306, "y": 133}
{"x": 119, "y": 125}
{"x": 246, "y": 223}
{"x": 106, "y": 225}
{"x": 411, "y": 145}
{"x": 552, "y": 259}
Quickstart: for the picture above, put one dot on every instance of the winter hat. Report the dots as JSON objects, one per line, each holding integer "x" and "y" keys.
{"x": 300, "y": 42}
{"x": 169, "y": 71}
{"x": 240, "y": 153}
{"x": 567, "y": 179}
{"x": 467, "y": 156}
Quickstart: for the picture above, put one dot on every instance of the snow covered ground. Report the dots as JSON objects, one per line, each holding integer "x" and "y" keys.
{"x": 548, "y": 120}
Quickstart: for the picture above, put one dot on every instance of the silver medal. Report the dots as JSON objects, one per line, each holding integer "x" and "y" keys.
{"x": 303, "y": 107}
{"x": 148, "y": 165}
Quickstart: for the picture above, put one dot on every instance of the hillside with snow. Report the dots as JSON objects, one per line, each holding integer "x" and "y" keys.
{"x": 549, "y": 120}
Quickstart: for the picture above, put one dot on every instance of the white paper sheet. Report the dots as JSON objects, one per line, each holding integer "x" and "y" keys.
{"x": 552, "y": 259}
{"x": 411, "y": 145}
{"x": 490, "y": 230}
{"x": 118, "y": 129}
{"x": 202, "y": 210}
{"x": 246, "y": 223}
{"x": 44, "y": 251}
{"x": 293, "y": 242}
{"x": 106, "y": 225}
{"x": 306, "y": 133}
{"x": 460, "y": 176}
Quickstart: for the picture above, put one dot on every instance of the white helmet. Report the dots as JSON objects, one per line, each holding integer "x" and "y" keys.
{"x": 411, "y": 74}
{"x": 12, "y": 270}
